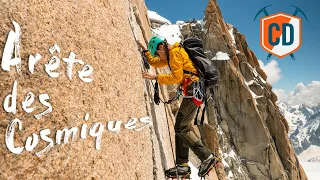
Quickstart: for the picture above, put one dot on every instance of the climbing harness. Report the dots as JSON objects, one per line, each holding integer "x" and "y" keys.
{"x": 197, "y": 93}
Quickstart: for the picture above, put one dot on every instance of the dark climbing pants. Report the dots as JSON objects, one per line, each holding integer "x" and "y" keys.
{"x": 185, "y": 137}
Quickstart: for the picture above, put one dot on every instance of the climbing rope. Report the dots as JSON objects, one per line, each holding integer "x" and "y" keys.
{"x": 157, "y": 98}
{"x": 147, "y": 66}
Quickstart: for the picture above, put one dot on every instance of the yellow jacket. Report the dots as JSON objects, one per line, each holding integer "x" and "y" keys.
{"x": 179, "y": 61}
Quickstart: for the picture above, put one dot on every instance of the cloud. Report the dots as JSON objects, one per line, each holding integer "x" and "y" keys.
{"x": 298, "y": 89}
{"x": 272, "y": 70}
{"x": 281, "y": 94}
{"x": 308, "y": 95}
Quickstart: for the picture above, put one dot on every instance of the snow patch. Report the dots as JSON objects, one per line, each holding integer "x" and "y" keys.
{"x": 249, "y": 83}
{"x": 225, "y": 164}
{"x": 252, "y": 93}
{"x": 262, "y": 80}
{"x": 310, "y": 110}
{"x": 194, "y": 172}
{"x": 154, "y": 16}
{"x": 170, "y": 32}
{"x": 221, "y": 56}
{"x": 220, "y": 132}
{"x": 230, "y": 175}
{"x": 239, "y": 169}
{"x": 232, "y": 154}
{"x": 296, "y": 106}
{"x": 180, "y": 22}
{"x": 232, "y": 37}
{"x": 255, "y": 97}
{"x": 256, "y": 74}
{"x": 202, "y": 26}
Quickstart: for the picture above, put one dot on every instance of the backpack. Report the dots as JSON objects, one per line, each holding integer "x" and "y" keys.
{"x": 207, "y": 72}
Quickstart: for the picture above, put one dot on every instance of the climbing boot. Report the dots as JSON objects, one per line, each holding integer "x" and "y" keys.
{"x": 211, "y": 162}
{"x": 178, "y": 172}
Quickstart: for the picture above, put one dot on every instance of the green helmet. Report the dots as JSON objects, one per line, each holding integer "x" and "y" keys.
{"x": 153, "y": 44}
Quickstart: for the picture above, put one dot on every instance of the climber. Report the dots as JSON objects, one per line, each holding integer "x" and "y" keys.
{"x": 160, "y": 54}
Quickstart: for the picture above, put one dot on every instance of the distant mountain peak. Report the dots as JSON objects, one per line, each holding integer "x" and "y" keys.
{"x": 315, "y": 159}
{"x": 304, "y": 125}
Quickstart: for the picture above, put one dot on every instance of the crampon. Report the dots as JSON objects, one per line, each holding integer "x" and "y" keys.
{"x": 180, "y": 177}
{"x": 215, "y": 162}
{"x": 208, "y": 173}
{"x": 178, "y": 172}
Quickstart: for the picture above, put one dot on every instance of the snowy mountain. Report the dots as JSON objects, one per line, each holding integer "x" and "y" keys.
{"x": 304, "y": 126}
{"x": 296, "y": 116}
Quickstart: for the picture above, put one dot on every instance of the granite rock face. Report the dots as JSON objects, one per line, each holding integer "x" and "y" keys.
{"x": 100, "y": 34}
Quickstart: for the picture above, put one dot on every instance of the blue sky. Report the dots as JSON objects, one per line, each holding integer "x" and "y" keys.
{"x": 241, "y": 14}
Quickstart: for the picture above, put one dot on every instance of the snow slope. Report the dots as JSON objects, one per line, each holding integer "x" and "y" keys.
{"x": 312, "y": 152}
{"x": 312, "y": 170}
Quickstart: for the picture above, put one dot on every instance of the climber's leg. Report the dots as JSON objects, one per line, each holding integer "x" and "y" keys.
{"x": 183, "y": 129}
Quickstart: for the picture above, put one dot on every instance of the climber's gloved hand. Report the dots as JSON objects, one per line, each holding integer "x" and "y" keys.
{"x": 141, "y": 44}
{"x": 149, "y": 76}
